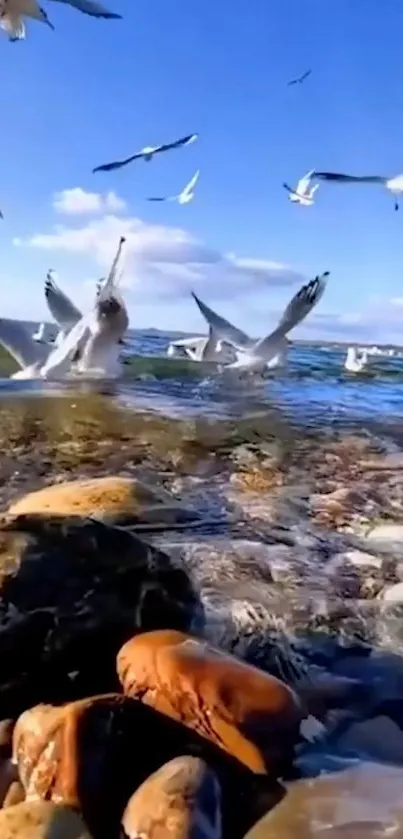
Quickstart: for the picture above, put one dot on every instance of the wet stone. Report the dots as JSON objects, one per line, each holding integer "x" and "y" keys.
{"x": 93, "y": 754}
{"x": 249, "y": 714}
{"x": 113, "y": 499}
{"x": 41, "y": 820}
{"x": 181, "y": 800}
{"x": 71, "y": 588}
{"x": 362, "y": 801}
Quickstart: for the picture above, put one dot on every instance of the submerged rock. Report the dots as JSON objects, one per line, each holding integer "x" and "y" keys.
{"x": 112, "y": 499}
{"x": 180, "y": 801}
{"x": 251, "y": 715}
{"x": 363, "y": 802}
{"x": 72, "y": 590}
{"x": 41, "y": 820}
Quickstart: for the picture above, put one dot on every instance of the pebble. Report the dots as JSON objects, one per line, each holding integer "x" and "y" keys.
{"x": 374, "y": 739}
{"x": 41, "y": 820}
{"x": 394, "y": 594}
{"x": 386, "y": 533}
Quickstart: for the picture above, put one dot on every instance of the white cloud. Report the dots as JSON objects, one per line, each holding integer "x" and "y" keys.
{"x": 77, "y": 201}
{"x": 164, "y": 261}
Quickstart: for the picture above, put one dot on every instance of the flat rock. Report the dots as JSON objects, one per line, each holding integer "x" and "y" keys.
{"x": 113, "y": 499}
{"x": 72, "y": 590}
{"x": 357, "y": 559}
{"x": 182, "y": 799}
{"x": 386, "y": 533}
{"x": 361, "y": 802}
{"x": 41, "y": 820}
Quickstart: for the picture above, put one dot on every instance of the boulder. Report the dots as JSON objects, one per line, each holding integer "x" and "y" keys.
{"x": 113, "y": 499}
{"x": 72, "y": 590}
{"x": 179, "y": 801}
{"x": 241, "y": 709}
{"x": 41, "y": 820}
{"x": 93, "y": 754}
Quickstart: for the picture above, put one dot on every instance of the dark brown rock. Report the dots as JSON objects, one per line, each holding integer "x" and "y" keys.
{"x": 72, "y": 591}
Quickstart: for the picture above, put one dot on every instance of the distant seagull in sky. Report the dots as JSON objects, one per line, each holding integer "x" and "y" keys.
{"x": 304, "y": 191}
{"x": 186, "y": 195}
{"x": 147, "y": 153}
{"x": 300, "y": 79}
{"x": 12, "y": 13}
{"x": 394, "y": 184}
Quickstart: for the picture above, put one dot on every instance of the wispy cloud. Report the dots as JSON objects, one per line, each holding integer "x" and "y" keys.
{"x": 77, "y": 201}
{"x": 163, "y": 261}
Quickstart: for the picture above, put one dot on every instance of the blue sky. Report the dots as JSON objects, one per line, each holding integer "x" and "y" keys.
{"x": 95, "y": 90}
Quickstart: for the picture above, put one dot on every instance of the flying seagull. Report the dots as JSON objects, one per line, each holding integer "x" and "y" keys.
{"x": 147, "y": 153}
{"x": 229, "y": 336}
{"x": 304, "y": 191}
{"x": 12, "y": 17}
{"x": 394, "y": 184}
{"x": 61, "y": 307}
{"x": 300, "y": 79}
{"x": 186, "y": 195}
{"x": 256, "y": 358}
{"x": 14, "y": 11}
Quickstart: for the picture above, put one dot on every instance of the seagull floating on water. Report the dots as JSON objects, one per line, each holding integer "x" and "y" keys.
{"x": 304, "y": 191}
{"x": 147, "y": 153}
{"x": 300, "y": 79}
{"x": 13, "y": 12}
{"x": 187, "y": 193}
{"x": 393, "y": 184}
{"x": 231, "y": 337}
{"x": 354, "y": 363}
{"x": 200, "y": 348}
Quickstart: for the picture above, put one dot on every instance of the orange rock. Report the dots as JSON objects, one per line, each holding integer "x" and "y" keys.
{"x": 251, "y": 715}
{"x": 179, "y": 801}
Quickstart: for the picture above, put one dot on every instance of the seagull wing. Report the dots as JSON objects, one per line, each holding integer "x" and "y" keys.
{"x": 192, "y": 183}
{"x": 223, "y": 328}
{"x": 19, "y": 343}
{"x": 117, "y": 164}
{"x": 305, "y": 75}
{"x": 335, "y": 176}
{"x": 157, "y": 199}
{"x": 298, "y": 308}
{"x": 63, "y": 311}
{"x": 110, "y": 282}
{"x": 59, "y": 360}
{"x": 184, "y": 141}
{"x": 90, "y": 7}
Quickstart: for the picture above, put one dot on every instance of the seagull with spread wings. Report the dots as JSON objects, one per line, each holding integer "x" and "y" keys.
{"x": 147, "y": 153}
{"x": 300, "y": 79}
{"x": 13, "y": 12}
{"x": 257, "y": 356}
{"x": 393, "y": 184}
{"x": 304, "y": 191}
{"x": 186, "y": 195}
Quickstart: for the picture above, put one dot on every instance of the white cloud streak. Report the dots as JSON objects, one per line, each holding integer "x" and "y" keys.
{"x": 164, "y": 262}
{"x": 77, "y": 201}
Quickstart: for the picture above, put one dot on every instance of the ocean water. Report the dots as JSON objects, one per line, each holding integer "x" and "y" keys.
{"x": 314, "y": 391}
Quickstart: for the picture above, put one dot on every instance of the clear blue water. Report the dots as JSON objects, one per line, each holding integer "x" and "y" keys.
{"x": 314, "y": 390}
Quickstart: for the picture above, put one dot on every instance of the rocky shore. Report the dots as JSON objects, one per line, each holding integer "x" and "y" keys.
{"x": 196, "y": 620}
